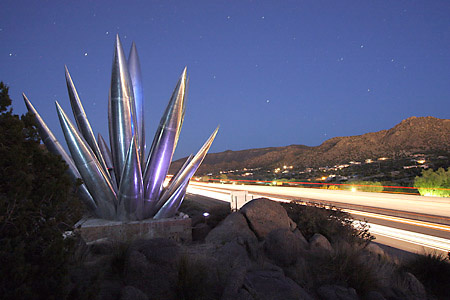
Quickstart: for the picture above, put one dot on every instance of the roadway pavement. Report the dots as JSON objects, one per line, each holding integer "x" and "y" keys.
{"x": 412, "y": 223}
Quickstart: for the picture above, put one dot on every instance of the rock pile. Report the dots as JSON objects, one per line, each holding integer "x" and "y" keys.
{"x": 255, "y": 253}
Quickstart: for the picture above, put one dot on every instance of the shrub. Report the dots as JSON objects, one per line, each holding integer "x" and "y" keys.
{"x": 37, "y": 205}
{"x": 347, "y": 265}
{"x": 434, "y": 183}
{"x": 433, "y": 270}
{"x": 196, "y": 279}
{"x": 365, "y": 186}
{"x": 331, "y": 222}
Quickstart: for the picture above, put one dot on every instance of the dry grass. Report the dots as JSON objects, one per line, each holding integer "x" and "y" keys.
{"x": 433, "y": 270}
{"x": 198, "y": 279}
{"x": 332, "y": 223}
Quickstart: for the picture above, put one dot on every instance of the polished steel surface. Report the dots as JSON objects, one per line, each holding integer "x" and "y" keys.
{"x": 171, "y": 206}
{"x": 186, "y": 173}
{"x": 131, "y": 188}
{"x": 52, "y": 144}
{"x": 106, "y": 153}
{"x": 96, "y": 180}
{"x": 163, "y": 146}
{"x": 185, "y": 164}
{"x": 134, "y": 68}
{"x": 116, "y": 186}
{"x": 81, "y": 119}
{"x": 120, "y": 118}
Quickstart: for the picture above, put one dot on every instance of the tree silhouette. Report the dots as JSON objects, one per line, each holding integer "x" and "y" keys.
{"x": 37, "y": 205}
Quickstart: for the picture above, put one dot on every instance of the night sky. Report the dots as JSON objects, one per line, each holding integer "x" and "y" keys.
{"x": 271, "y": 73}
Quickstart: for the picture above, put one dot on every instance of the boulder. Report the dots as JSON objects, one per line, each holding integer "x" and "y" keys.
{"x": 319, "y": 242}
{"x": 264, "y": 215}
{"x": 159, "y": 250}
{"x": 101, "y": 246}
{"x": 375, "y": 250}
{"x": 272, "y": 285}
{"x": 301, "y": 238}
{"x": 152, "y": 267}
{"x": 283, "y": 246}
{"x": 337, "y": 292}
{"x": 374, "y": 295}
{"x": 415, "y": 287}
{"x": 200, "y": 231}
{"x": 230, "y": 256}
{"x": 132, "y": 293}
{"x": 230, "y": 229}
{"x": 243, "y": 294}
{"x": 233, "y": 284}
{"x": 109, "y": 289}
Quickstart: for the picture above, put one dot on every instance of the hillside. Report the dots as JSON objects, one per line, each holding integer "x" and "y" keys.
{"x": 413, "y": 135}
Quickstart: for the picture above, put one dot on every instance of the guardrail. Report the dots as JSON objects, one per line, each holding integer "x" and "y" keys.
{"x": 408, "y": 190}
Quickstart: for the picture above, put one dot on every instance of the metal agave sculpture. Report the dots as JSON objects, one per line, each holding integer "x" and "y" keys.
{"x": 117, "y": 184}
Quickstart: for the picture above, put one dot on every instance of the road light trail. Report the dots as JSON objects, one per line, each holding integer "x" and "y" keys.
{"x": 419, "y": 239}
{"x": 223, "y": 192}
{"x": 400, "y": 220}
{"x": 414, "y": 206}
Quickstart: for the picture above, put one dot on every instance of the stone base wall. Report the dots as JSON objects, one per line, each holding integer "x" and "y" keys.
{"x": 176, "y": 229}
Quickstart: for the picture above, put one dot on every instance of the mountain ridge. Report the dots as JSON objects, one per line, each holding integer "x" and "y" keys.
{"x": 412, "y": 135}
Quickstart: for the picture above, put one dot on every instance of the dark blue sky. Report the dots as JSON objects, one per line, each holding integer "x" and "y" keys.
{"x": 271, "y": 73}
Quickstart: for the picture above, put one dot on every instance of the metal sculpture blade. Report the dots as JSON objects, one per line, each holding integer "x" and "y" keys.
{"x": 106, "y": 153}
{"x": 96, "y": 180}
{"x": 171, "y": 206}
{"x": 134, "y": 68}
{"x": 116, "y": 186}
{"x": 81, "y": 119}
{"x": 186, "y": 174}
{"x": 185, "y": 164}
{"x": 163, "y": 146}
{"x": 131, "y": 188}
{"x": 120, "y": 115}
{"x": 52, "y": 144}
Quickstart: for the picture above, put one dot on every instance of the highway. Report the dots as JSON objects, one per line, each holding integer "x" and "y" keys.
{"x": 412, "y": 223}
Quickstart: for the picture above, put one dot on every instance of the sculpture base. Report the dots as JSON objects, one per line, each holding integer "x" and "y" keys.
{"x": 177, "y": 229}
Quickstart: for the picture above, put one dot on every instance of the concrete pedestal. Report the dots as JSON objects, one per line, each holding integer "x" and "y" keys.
{"x": 177, "y": 229}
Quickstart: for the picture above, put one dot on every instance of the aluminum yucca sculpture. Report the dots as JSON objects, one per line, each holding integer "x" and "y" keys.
{"x": 117, "y": 183}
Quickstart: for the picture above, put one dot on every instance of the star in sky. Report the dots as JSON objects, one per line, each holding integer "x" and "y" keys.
{"x": 269, "y": 51}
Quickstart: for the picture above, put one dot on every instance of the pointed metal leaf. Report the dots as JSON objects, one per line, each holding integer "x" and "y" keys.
{"x": 171, "y": 206}
{"x": 131, "y": 189}
{"x": 120, "y": 110}
{"x": 186, "y": 174}
{"x": 106, "y": 153}
{"x": 134, "y": 68}
{"x": 163, "y": 146}
{"x": 96, "y": 180}
{"x": 82, "y": 120}
{"x": 55, "y": 147}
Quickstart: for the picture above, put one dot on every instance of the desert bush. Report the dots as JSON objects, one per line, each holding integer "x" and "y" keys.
{"x": 434, "y": 183}
{"x": 331, "y": 222}
{"x": 37, "y": 205}
{"x": 347, "y": 266}
{"x": 433, "y": 270}
{"x": 334, "y": 187}
{"x": 196, "y": 279}
{"x": 364, "y": 186}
